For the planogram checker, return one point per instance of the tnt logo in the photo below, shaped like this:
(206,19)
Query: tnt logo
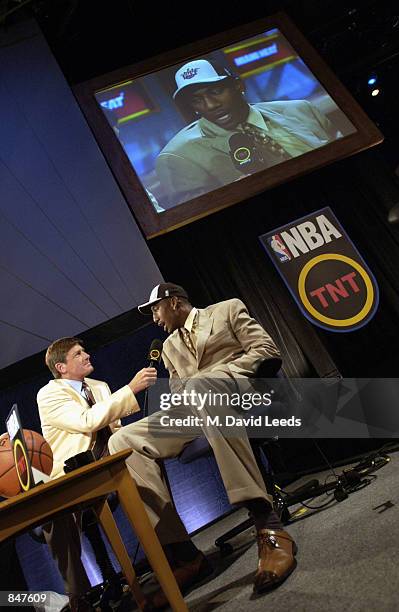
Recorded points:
(337,290)
(334,292)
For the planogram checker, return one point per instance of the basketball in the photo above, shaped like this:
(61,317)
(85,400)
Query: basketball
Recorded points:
(39,453)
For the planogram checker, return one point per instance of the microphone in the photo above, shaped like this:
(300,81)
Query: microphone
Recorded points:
(244,153)
(155,352)
(154,359)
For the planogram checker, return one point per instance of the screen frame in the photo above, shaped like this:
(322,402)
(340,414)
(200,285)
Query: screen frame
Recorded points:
(154,224)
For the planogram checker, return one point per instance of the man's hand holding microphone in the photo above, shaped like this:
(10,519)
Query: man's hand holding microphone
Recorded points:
(147,377)
(143,379)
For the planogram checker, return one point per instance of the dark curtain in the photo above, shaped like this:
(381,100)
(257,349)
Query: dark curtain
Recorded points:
(220,257)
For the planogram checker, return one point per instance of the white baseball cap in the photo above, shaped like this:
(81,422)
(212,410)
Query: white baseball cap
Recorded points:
(195,73)
(161,292)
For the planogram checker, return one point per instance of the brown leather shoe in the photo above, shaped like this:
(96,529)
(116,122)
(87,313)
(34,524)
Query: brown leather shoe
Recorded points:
(276,550)
(187,575)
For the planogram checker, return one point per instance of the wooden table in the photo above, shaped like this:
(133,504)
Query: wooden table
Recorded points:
(89,485)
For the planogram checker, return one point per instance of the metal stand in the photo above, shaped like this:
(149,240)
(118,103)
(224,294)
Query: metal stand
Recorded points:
(347,482)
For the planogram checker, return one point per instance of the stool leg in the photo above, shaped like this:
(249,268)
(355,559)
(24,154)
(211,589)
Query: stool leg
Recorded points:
(111,530)
(134,509)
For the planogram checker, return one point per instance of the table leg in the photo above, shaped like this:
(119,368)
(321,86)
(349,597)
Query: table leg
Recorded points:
(134,509)
(111,530)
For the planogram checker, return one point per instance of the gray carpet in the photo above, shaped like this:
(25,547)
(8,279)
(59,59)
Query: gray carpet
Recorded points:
(348,558)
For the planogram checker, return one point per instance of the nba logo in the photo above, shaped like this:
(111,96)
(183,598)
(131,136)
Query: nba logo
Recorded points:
(279,248)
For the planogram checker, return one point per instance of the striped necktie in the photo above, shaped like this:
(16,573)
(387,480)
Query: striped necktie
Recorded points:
(189,338)
(185,334)
(99,438)
(87,392)
(266,142)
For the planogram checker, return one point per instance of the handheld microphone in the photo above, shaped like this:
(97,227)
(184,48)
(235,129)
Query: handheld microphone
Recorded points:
(154,359)
(155,352)
(244,153)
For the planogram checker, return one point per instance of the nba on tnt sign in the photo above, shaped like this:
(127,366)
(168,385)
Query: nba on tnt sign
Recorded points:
(331,283)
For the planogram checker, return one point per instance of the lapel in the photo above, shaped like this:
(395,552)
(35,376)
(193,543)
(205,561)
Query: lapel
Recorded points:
(204,328)
(178,346)
(64,385)
(293,125)
(203,333)
(217,137)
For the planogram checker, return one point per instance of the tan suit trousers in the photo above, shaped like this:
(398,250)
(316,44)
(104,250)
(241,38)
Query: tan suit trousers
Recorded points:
(151,443)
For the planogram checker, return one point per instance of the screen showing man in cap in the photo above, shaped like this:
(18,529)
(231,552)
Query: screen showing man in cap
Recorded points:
(232,138)
(216,348)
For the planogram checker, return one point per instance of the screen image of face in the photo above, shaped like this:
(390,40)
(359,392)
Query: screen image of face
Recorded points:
(194,127)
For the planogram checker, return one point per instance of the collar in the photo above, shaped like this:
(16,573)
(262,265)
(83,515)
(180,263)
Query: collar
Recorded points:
(256,118)
(75,384)
(189,322)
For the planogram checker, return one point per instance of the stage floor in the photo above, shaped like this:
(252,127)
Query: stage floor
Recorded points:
(348,557)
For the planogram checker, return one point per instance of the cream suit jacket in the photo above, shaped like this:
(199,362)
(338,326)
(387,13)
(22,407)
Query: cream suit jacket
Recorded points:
(68,422)
(230,343)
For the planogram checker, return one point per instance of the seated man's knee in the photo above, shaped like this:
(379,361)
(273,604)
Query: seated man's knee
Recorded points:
(124,438)
(205,386)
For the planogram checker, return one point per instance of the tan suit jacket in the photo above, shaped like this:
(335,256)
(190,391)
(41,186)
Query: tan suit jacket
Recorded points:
(68,422)
(198,158)
(230,343)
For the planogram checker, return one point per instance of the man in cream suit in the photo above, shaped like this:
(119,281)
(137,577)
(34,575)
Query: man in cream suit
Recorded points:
(214,348)
(79,414)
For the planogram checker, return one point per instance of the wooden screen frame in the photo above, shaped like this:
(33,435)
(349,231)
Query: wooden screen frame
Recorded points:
(154,224)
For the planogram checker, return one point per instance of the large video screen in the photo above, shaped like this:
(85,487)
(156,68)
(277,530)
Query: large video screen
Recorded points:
(215,127)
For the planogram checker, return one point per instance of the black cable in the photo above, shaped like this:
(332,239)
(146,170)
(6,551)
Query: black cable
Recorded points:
(330,501)
(327,493)
(301,503)
(327,503)
(145,404)
(325,458)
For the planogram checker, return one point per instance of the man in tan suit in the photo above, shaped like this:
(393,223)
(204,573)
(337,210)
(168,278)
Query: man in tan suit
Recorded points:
(229,137)
(79,414)
(216,347)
